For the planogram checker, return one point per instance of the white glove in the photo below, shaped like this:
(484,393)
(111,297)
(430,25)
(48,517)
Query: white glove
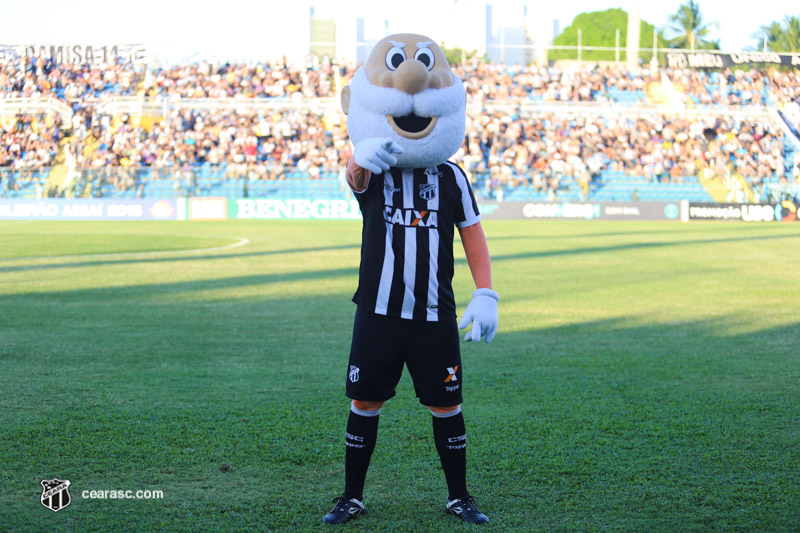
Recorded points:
(482,312)
(376,154)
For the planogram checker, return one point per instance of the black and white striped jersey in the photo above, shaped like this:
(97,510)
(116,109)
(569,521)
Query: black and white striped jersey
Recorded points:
(410,217)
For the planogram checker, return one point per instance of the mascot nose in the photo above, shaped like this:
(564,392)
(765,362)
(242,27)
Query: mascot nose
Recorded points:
(411,77)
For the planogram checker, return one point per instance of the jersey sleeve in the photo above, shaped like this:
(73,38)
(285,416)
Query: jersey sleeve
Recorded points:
(467,213)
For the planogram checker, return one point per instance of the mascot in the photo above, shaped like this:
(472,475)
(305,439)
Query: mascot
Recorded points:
(406,116)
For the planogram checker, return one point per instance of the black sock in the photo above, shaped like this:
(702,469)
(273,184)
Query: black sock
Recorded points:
(362,432)
(450,436)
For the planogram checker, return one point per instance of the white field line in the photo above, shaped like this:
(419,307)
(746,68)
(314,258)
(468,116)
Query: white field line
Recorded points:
(240,241)
(15,222)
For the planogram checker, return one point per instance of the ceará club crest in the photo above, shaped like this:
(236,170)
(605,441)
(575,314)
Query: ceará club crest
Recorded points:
(427,191)
(55,494)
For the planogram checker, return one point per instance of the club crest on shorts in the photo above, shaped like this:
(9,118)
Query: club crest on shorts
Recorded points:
(427,191)
(354,371)
(55,494)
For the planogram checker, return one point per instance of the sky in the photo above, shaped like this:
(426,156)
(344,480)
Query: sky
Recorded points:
(244,29)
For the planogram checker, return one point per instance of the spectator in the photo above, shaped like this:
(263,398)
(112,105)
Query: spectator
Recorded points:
(509,147)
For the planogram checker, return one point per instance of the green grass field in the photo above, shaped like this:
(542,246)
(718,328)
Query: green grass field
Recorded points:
(645,378)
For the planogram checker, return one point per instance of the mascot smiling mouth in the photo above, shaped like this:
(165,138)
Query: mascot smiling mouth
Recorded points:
(412,126)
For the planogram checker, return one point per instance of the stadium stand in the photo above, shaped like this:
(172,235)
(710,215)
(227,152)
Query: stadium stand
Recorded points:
(274,130)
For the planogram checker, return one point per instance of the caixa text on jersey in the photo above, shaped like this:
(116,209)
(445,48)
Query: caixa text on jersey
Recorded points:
(411,217)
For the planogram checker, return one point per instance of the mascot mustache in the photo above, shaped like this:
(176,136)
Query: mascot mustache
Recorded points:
(370,105)
(394,102)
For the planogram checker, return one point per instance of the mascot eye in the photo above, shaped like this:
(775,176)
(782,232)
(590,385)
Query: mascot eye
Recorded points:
(394,57)
(425,56)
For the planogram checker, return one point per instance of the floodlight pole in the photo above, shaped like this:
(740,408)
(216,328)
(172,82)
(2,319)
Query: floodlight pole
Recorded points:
(634,29)
(654,61)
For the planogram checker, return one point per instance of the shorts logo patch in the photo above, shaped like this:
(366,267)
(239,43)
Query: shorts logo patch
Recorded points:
(354,373)
(452,371)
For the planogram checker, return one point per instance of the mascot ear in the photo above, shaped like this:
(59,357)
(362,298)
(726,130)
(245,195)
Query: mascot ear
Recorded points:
(345,98)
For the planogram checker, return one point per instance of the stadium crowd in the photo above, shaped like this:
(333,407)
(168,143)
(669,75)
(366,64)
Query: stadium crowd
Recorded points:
(739,87)
(487,81)
(37,77)
(29,141)
(30,77)
(511,148)
(262,80)
(544,148)
(539,149)
(292,139)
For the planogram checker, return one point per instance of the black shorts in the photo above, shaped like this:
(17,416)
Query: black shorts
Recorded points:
(380,347)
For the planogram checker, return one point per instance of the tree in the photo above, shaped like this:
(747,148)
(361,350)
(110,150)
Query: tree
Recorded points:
(687,24)
(457,56)
(768,36)
(780,37)
(599,29)
(791,40)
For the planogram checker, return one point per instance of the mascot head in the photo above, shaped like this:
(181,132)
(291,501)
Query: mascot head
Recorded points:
(406,92)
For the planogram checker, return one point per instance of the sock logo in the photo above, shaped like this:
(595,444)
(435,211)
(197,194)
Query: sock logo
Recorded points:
(452,371)
(457,443)
(355,438)
(354,371)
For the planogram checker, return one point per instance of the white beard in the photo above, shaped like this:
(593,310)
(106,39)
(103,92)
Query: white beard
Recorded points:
(369,105)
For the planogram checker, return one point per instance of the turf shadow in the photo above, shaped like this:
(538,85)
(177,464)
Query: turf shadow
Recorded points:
(177,259)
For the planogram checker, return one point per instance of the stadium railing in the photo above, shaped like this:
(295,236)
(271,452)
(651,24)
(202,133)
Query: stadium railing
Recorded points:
(524,105)
(10,107)
(160,106)
(224,180)
(24,182)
